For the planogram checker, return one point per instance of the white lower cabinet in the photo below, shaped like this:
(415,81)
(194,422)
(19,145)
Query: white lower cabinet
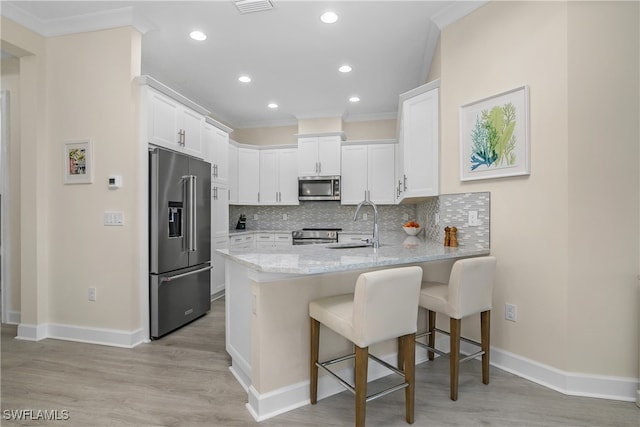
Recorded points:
(242,241)
(273,240)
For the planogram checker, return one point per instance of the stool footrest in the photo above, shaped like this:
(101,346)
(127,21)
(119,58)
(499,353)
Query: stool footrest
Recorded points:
(345,384)
(442,353)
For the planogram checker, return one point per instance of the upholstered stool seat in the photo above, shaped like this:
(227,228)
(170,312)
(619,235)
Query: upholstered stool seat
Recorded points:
(384,306)
(469,291)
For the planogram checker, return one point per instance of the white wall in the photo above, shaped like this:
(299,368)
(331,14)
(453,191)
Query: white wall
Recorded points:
(559,259)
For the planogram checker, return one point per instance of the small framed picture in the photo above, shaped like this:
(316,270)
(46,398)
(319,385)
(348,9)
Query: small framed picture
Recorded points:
(494,136)
(78,162)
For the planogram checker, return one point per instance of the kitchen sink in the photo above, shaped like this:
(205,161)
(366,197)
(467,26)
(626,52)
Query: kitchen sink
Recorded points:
(349,245)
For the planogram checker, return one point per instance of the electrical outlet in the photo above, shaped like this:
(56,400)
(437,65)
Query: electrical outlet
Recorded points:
(91,296)
(405,217)
(285,217)
(473,219)
(437,218)
(510,312)
(255,217)
(365,216)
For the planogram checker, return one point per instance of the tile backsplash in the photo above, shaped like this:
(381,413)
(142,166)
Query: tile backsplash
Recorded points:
(450,209)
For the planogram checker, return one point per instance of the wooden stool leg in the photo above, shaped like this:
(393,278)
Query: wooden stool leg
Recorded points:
(454,357)
(362,361)
(313,359)
(432,332)
(485,328)
(410,375)
(401,351)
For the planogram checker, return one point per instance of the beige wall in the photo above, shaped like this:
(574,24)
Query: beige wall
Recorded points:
(370,129)
(553,231)
(73,88)
(93,98)
(603,191)
(277,135)
(10,82)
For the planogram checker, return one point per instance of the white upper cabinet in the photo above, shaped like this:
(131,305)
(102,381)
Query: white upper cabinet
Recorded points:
(319,156)
(279,176)
(172,125)
(417,151)
(233,174)
(248,176)
(220,156)
(368,168)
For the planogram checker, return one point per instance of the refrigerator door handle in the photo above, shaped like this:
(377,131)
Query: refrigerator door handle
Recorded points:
(180,276)
(191,192)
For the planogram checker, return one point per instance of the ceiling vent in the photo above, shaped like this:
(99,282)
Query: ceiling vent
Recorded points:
(248,6)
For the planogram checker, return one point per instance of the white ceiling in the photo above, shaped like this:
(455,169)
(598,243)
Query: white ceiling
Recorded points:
(291,56)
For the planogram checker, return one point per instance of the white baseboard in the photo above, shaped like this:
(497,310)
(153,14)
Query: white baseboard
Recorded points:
(13,317)
(569,383)
(110,337)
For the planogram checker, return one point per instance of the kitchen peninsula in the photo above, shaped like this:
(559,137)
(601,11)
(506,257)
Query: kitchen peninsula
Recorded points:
(267,295)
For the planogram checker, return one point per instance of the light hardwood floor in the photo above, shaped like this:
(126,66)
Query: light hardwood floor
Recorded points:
(183,380)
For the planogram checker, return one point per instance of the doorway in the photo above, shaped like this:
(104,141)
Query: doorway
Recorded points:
(4,140)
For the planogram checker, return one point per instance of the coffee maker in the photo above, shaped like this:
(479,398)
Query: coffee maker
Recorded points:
(242,222)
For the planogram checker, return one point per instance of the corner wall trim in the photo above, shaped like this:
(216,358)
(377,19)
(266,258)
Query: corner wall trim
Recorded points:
(100,336)
(569,383)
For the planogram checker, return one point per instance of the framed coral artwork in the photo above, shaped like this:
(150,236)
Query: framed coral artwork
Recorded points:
(494,136)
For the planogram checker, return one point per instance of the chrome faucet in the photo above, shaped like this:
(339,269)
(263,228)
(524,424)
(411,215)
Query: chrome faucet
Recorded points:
(376,236)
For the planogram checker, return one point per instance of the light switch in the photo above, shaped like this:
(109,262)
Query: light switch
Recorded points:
(114,218)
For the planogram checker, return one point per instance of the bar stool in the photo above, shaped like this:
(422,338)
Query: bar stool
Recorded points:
(384,306)
(469,291)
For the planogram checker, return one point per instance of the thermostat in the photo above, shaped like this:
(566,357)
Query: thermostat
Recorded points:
(115,181)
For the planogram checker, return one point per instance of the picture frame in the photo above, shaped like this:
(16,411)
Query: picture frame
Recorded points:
(494,136)
(78,162)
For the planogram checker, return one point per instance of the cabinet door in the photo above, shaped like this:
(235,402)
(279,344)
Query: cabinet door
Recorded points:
(217,261)
(192,127)
(288,176)
(163,113)
(307,156)
(208,133)
(233,174)
(219,210)
(248,176)
(329,155)
(220,158)
(354,174)
(268,177)
(380,174)
(420,138)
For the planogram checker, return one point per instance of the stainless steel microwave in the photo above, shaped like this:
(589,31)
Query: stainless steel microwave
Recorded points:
(319,188)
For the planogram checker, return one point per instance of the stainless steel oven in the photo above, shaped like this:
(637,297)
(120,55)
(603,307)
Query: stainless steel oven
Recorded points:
(319,188)
(312,236)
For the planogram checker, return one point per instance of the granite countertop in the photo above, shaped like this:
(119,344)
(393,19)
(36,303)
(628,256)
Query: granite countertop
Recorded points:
(395,249)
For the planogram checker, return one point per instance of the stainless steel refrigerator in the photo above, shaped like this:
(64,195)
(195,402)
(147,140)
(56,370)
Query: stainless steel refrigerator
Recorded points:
(179,240)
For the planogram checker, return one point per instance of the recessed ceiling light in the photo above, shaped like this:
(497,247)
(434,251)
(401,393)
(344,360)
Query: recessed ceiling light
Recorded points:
(345,68)
(244,79)
(354,99)
(198,35)
(272,105)
(329,17)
